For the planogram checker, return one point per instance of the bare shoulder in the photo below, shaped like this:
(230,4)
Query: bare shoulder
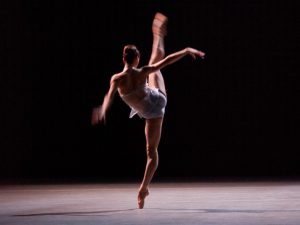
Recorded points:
(117,77)
(145,70)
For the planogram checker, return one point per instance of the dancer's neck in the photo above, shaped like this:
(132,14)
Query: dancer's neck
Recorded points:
(128,67)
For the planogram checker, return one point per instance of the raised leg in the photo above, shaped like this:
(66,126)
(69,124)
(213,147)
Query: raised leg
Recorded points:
(153,134)
(159,30)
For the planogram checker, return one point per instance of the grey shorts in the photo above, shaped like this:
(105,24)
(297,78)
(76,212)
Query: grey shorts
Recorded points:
(154,104)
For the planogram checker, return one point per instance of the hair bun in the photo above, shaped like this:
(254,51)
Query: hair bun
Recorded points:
(130,52)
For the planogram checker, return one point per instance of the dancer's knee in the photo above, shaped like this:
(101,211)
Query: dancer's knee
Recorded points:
(161,53)
(158,55)
(151,152)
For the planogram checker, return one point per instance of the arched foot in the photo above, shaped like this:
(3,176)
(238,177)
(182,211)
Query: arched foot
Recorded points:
(159,25)
(141,198)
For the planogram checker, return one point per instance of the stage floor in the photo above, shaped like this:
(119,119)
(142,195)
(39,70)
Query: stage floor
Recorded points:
(207,203)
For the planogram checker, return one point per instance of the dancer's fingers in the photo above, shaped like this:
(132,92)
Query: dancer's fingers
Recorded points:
(101,115)
(94,117)
(202,54)
(103,119)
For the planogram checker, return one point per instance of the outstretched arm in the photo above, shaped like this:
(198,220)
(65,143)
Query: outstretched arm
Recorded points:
(172,58)
(99,113)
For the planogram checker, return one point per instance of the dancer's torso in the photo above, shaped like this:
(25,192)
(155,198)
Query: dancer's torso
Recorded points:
(132,87)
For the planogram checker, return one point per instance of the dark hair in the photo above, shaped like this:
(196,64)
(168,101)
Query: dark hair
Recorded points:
(130,52)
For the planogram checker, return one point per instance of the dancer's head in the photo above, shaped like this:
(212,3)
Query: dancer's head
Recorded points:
(131,55)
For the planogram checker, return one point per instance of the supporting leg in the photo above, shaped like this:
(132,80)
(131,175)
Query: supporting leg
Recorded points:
(153,134)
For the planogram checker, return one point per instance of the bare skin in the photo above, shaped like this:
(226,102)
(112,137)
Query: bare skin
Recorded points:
(132,77)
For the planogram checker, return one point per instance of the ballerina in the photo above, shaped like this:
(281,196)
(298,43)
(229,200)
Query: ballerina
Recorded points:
(143,90)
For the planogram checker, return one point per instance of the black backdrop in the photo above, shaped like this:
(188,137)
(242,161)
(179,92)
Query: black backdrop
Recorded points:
(236,113)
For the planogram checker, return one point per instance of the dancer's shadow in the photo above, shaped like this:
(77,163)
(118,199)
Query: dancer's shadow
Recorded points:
(96,213)
(176,210)
(224,210)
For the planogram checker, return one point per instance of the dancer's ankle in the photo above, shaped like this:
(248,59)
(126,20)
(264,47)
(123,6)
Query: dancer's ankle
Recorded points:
(143,189)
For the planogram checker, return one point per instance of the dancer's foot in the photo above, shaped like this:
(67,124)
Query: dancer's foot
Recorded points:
(141,198)
(159,25)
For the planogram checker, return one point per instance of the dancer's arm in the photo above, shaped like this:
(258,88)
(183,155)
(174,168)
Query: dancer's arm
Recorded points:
(172,58)
(99,113)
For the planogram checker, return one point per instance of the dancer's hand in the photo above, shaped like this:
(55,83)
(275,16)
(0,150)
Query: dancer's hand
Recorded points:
(194,53)
(98,116)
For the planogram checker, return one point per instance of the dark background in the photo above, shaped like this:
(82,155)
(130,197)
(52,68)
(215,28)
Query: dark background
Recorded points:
(234,114)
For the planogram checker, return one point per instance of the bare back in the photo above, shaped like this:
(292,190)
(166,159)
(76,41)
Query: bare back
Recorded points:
(130,81)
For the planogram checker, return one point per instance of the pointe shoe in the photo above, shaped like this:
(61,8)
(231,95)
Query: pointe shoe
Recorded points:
(141,198)
(159,25)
